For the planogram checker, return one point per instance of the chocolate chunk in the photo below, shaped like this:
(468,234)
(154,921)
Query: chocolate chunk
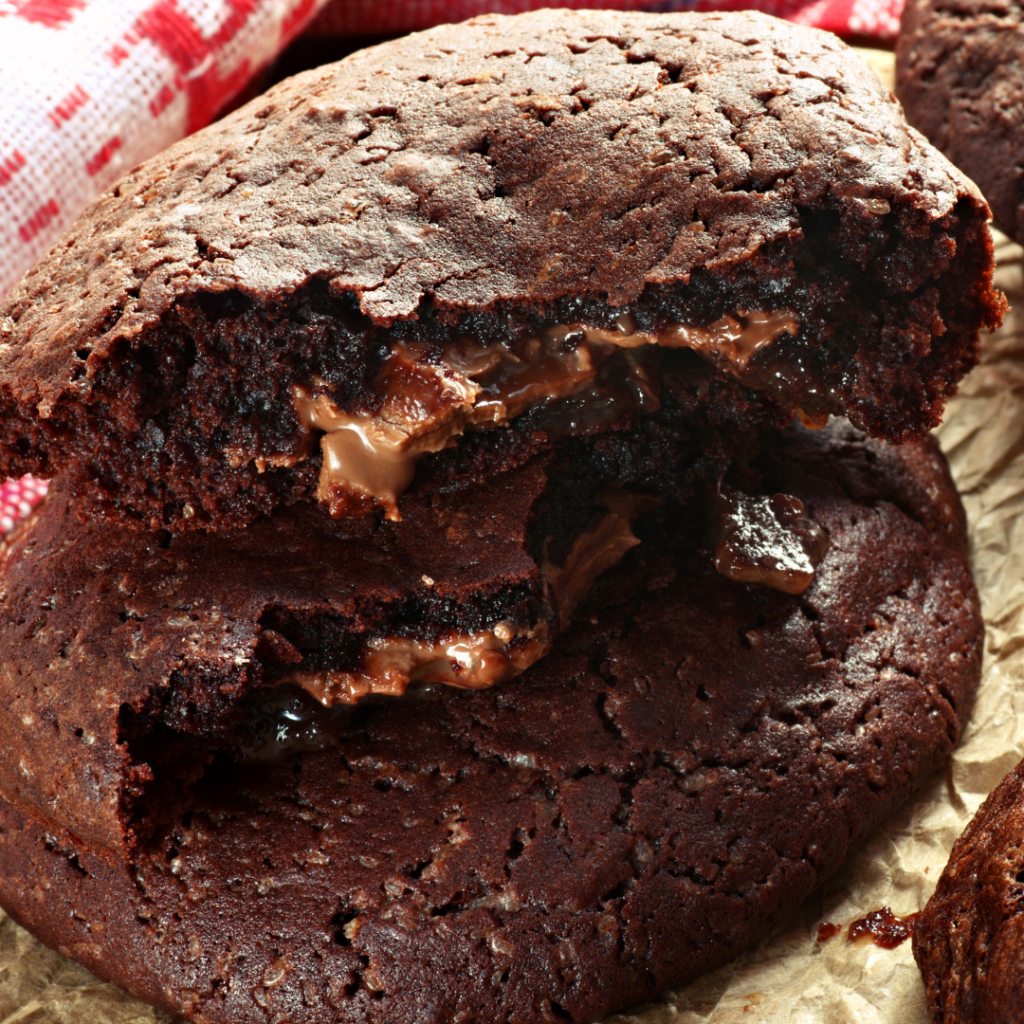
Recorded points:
(767,539)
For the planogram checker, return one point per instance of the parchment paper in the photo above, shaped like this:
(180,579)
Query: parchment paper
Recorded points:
(792,978)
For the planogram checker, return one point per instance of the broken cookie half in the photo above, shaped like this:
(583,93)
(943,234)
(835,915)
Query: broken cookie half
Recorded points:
(441,256)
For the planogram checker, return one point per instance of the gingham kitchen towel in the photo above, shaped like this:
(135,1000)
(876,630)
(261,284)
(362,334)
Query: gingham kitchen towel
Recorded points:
(89,88)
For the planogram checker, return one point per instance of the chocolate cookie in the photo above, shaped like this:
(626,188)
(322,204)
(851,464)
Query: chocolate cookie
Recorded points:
(957,75)
(969,939)
(693,758)
(509,218)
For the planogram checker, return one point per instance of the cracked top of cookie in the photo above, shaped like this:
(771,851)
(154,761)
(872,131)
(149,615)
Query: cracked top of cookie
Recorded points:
(725,183)
(508,158)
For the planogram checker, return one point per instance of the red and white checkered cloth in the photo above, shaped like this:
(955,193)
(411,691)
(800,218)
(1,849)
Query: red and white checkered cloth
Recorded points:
(18,498)
(90,88)
(876,19)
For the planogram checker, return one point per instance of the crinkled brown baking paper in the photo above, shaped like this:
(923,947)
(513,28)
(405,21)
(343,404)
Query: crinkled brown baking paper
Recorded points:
(792,977)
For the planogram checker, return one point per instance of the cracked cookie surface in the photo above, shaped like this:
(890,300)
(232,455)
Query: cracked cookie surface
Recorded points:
(694,757)
(492,180)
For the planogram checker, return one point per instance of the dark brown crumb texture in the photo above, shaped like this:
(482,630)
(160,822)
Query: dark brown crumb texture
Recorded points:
(969,940)
(957,75)
(122,632)
(490,180)
(693,759)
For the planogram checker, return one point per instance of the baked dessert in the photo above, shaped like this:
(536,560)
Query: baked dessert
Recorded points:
(429,257)
(956,75)
(968,940)
(694,756)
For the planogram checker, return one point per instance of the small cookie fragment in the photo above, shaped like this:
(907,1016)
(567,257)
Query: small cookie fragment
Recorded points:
(969,939)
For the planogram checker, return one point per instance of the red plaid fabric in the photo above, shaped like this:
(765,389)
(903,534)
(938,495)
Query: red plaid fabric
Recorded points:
(879,19)
(18,498)
(90,88)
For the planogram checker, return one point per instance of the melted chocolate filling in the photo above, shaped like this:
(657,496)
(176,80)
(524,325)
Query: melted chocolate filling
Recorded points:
(285,720)
(429,400)
(389,665)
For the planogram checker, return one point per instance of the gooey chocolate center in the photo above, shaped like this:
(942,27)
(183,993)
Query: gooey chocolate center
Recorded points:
(390,664)
(369,458)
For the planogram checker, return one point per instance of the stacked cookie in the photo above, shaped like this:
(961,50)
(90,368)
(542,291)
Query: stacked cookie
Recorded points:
(437,615)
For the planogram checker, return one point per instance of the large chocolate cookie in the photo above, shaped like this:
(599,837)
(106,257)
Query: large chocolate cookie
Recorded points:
(439,235)
(691,760)
(969,940)
(958,76)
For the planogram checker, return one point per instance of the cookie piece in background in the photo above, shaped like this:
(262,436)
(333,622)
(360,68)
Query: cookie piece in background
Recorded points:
(958,78)
(969,939)
(694,757)
(464,227)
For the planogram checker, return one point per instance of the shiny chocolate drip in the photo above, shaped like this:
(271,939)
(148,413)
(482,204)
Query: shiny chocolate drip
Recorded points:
(283,721)
(591,554)
(625,383)
(390,664)
(734,339)
(767,539)
(370,458)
